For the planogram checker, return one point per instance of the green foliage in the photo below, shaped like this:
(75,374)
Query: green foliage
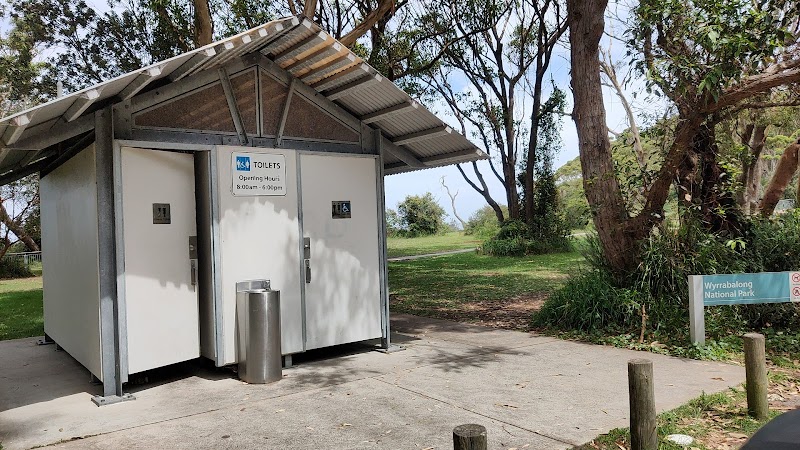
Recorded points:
(516,239)
(590,302)
(573,207)
(14,268)
(420,216)
(774,244)
(483,223)
(596,302)
(547,225)
(697,48)
(394,225)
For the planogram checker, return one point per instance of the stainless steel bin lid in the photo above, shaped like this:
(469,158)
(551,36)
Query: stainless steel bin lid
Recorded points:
(252,285)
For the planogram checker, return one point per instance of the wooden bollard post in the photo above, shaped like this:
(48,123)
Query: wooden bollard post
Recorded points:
(470,437)
(642,404)
(755,366)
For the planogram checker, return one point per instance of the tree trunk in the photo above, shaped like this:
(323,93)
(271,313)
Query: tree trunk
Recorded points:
(787,166)
(17,229)
(310,8)
(483,190)
(699,183)
(203,25)
(453,204)
(586,24)
(384,7)
(533,144)
(753,138)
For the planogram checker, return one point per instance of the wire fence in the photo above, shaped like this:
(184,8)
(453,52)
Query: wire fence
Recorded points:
(27,258)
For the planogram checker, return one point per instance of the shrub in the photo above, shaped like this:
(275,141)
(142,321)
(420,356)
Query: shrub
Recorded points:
(421,216)
(775,243)
(591,302)
(14,268)
(483,223)
(514,239)
(597,301)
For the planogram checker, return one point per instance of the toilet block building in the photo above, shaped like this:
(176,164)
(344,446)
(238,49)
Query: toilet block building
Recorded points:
(261,156)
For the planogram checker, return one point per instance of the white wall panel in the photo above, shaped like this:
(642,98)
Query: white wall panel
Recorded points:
(70,258)
(260,239)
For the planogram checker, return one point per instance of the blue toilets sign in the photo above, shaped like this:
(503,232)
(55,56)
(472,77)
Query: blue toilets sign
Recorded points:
(254,174)
(737,289)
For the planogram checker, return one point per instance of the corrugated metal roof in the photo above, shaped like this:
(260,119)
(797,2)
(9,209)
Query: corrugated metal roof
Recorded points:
(298,46)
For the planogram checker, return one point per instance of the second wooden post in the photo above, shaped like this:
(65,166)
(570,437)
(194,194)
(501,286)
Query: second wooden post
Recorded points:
(755,366)
(642,404)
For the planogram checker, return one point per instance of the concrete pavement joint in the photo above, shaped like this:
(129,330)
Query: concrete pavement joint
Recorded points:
(539,433)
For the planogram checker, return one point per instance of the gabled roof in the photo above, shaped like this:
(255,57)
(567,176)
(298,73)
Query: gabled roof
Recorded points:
(419,138)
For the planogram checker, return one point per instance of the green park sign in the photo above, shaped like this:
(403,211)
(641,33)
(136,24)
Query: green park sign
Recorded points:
(737,289)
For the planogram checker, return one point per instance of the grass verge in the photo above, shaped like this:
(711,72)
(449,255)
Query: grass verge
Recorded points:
(21,313)
(716,421)
(399,246)
(469,286)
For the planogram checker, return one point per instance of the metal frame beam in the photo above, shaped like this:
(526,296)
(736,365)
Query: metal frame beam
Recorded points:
(333,80)
(422,135)
(109,306)
(233,105)
(390,111)
(285,112)
(81,104)
(140,82)
(386,341)
(309,93)
(56,131)
(458,156)
(16,128)
(403,154)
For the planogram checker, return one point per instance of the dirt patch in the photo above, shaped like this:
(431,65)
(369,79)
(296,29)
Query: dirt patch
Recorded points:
(511,314)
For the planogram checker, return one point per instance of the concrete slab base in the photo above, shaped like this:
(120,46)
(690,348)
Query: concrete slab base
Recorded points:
(529,391)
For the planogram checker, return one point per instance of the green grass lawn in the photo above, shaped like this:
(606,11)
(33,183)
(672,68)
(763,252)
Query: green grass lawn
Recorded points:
(21,308)
(429,286)
(455,240)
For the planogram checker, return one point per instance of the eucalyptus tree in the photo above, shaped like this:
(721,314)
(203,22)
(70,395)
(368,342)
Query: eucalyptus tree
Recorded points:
(503,49)
(706,57)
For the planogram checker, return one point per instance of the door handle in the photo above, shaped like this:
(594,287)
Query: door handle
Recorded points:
(193,261)
(308,270)
(193,264)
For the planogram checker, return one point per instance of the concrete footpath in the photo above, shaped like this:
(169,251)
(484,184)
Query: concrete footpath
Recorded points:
(529,391)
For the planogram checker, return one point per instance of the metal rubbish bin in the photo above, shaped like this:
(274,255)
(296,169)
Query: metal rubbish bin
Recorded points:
(258,311)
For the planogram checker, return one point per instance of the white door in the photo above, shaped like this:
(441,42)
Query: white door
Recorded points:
(340,221)
(158,204)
